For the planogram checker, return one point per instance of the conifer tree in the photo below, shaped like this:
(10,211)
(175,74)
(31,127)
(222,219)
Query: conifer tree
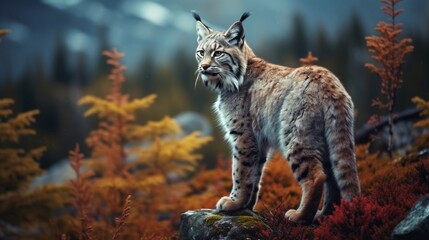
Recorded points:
(82,194)
(423,138)
(308,60)
(20,207)
(389,51)
(167,152)
(154,150)
(19,166)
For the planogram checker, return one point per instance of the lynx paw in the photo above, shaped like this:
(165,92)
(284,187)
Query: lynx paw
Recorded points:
(293,215)
(227,204)
(297,216)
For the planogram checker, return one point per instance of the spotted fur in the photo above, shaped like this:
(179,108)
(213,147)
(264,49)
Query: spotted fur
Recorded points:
(303,112)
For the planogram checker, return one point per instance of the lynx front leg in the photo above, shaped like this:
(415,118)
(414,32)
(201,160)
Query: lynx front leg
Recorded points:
(247,166)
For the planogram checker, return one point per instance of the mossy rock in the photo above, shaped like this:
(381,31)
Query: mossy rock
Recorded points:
(208,224)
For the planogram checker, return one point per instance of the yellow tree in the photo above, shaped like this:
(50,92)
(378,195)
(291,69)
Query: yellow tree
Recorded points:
(18,166)
(423,138)
(131,157)
(19,206)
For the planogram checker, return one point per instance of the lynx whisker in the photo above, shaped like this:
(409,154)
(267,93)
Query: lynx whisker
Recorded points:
(196,79)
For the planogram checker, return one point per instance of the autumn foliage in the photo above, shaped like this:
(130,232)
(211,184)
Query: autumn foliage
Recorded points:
(358,219)
(20,207)
(279,187)
(388,51)
(82,195)
(422,141)
(21,164)
(127,159)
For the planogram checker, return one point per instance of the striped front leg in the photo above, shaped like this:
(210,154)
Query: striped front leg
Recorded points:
(246,174)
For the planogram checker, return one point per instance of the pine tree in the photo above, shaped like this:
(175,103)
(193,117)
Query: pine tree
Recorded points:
(389,51)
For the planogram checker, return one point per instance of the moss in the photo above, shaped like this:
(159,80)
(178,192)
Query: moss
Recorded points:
(233,225)
(245,212)
(252,225)
(212,219)
(248,221)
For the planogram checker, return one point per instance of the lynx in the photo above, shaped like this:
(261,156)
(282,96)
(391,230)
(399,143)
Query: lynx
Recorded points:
(304,112)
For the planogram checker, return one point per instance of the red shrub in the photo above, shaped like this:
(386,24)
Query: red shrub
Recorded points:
(389,191)
(374,216)
(359,219)
(282,228)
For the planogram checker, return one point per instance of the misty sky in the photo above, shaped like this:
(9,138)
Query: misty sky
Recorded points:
(159,28)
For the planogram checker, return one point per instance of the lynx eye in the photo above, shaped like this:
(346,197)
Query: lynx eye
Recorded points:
(218,54)
(200,53)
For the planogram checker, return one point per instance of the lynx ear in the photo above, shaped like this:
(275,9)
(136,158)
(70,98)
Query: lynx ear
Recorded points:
(202,29)
(235,33)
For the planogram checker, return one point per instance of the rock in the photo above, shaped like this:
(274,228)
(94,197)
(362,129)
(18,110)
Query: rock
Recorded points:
(208,224)
(416,224)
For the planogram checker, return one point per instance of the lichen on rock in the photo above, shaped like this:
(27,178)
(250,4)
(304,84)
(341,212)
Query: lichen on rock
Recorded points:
(415,226)
(209,224)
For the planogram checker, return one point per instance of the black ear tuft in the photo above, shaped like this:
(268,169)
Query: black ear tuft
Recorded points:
(244,16)
(196,15)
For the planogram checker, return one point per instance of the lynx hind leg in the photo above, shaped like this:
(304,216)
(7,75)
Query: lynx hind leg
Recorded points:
(331,196)
(308,171)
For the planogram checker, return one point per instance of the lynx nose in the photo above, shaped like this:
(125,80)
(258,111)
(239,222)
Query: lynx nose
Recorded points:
(204,66)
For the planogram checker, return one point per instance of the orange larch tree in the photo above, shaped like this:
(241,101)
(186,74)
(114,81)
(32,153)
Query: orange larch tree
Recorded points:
(82,194)
(389,51)
(308,60)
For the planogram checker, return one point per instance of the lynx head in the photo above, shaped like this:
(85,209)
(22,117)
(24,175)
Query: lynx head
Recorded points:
(221,55)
